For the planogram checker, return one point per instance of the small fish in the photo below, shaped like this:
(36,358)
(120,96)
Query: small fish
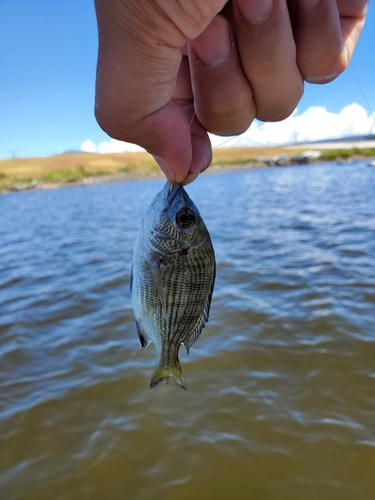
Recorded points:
(172,279)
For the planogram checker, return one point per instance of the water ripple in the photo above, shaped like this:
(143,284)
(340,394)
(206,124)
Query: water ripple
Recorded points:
(281,385)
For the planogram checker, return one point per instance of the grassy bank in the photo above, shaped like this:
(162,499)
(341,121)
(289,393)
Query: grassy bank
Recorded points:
(37,167)
(63,169)
(69,168)
(19,174)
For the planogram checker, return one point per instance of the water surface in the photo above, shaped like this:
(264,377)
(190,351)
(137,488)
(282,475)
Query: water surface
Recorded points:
(281,384)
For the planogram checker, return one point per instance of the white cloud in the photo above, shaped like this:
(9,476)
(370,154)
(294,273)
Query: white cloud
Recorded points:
(88,147)
(114,146)
(315,124)
(110,146)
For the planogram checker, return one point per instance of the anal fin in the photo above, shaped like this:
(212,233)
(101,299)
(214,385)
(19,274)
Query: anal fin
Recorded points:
(144,340)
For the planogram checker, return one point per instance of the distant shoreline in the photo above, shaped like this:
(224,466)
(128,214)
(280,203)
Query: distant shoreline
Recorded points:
(89,169)
(123,177)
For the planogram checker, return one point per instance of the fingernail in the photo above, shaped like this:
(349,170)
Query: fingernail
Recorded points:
(321,79)
(213,46)
(255,11)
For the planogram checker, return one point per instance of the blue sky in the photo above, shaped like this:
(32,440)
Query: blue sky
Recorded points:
(47,77)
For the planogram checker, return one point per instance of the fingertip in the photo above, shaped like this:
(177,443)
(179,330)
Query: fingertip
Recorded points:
(201,158)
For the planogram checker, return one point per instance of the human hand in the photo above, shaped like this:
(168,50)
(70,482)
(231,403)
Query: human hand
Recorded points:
(170,71)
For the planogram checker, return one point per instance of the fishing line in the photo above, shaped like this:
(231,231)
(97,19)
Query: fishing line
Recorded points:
(231,138)
(192,118)
(361,89)
(293,107)
(258,125)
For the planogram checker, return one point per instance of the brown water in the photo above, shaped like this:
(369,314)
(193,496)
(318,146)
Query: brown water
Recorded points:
(281,384)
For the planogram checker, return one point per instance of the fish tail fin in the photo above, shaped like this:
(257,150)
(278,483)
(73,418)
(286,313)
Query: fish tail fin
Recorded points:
(162,373)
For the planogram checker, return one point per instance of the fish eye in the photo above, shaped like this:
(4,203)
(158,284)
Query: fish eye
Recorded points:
(185,218)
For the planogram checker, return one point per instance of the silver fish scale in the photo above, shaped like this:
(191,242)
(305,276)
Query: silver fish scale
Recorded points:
(186,284)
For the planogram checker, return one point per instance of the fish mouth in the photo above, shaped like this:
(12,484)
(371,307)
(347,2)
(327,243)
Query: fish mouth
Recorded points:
(171,193)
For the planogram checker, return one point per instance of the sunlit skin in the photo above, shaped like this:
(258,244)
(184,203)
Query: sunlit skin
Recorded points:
(169,71)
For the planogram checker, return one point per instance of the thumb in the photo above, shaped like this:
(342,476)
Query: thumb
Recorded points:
(139,60)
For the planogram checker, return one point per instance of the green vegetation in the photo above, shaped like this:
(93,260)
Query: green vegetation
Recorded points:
(148,165)
(16,184)
(344,154)
(71,175)
(143,167)
(364,151)
(99,172)
(63,176)
(336,154)
(5,184)
(234,161)
(128,168)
